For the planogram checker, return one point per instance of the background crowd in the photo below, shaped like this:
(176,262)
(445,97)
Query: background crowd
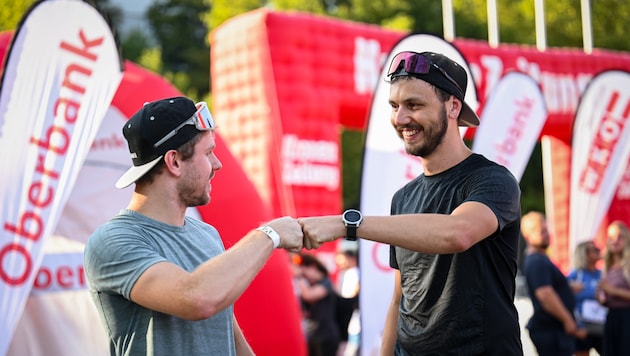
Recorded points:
(589,309)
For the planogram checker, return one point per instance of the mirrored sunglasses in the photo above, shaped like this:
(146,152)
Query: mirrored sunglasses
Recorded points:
(202,119)
(416,63)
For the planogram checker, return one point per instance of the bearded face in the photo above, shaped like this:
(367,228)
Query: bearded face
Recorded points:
(433,135)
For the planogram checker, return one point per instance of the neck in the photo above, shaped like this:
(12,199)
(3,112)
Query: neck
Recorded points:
(158,205)
(536,249)
(451,152)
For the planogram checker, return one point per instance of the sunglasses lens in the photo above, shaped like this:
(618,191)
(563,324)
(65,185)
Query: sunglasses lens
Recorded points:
(202,118)
(414,63)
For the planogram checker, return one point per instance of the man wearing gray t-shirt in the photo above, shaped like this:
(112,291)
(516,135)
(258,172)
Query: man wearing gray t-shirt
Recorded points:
(162,281)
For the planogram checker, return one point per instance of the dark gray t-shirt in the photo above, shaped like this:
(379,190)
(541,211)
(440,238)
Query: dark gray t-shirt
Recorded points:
(118,252)
(462,303)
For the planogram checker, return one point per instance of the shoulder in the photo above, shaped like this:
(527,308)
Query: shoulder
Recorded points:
(489,169)
(194,223)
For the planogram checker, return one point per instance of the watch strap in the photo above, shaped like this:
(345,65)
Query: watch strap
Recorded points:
(351,233)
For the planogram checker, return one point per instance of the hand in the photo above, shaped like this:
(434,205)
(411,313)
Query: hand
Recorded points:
(570,327)
(576,286)
(604,286)
(321,229)
(581,333)
(291,236)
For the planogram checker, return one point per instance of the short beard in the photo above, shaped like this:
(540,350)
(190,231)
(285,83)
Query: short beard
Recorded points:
(433,136)
(191,195)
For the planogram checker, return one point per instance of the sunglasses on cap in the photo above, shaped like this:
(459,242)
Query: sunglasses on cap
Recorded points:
(202,119)
(416,63)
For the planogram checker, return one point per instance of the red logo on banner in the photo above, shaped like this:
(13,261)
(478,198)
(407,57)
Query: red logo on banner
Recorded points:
(41,193)
(603,145)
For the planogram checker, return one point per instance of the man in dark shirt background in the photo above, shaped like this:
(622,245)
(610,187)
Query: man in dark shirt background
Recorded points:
(552,327)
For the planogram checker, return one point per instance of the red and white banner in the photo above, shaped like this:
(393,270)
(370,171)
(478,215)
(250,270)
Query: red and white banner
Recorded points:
(60,76)
(384,152)
(600,152)
(512,120)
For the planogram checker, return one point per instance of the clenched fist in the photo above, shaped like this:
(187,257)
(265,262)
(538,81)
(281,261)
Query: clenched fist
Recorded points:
(320,229)
(291,236)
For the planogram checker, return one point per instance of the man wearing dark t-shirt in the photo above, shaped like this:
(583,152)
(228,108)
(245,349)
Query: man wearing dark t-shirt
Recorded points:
(552,327)
(453,230)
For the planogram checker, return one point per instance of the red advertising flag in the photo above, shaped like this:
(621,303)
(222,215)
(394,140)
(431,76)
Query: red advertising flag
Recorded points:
(61,73)
(600,152)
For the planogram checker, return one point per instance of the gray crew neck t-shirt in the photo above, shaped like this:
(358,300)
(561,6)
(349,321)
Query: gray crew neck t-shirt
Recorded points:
(118,252)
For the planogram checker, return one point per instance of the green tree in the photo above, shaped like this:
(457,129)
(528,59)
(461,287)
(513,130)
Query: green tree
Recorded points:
(134,44)
(11,13)
(181,35)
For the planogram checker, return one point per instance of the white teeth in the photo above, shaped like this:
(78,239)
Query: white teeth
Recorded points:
(409,133)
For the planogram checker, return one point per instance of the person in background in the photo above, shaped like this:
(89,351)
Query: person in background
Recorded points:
(319,304)
(617,235)
(453,230)
(590,314)
(161,280)
(347,288)
(552,327)
(295,262)
(614,292)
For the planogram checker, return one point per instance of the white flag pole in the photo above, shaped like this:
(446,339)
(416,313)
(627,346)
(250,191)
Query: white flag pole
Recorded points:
(447,20)
(587,32)
(541,35)
(493,24)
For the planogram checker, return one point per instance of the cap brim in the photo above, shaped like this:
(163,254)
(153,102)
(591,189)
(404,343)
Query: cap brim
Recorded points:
(468,117)
(134,173)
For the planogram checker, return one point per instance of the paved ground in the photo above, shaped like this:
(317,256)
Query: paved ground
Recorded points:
(524,307)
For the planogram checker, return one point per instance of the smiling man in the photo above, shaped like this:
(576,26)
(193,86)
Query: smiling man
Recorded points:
(453,230)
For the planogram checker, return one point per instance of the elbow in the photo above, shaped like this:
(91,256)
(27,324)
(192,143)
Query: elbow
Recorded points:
(204,307)
(459,245)
(463,239)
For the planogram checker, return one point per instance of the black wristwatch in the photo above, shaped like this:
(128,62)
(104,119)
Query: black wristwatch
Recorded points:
(351,219)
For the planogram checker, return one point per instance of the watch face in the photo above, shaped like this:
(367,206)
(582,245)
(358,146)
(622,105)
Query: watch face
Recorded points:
(352,216)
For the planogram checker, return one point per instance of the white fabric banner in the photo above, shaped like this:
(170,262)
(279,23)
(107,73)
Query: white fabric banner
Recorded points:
(60,272)
(59,317)
(60,76)
(511,122)
(386,168)
(600,152)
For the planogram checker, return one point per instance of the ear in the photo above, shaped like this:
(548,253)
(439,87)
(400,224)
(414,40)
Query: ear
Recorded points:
(454,108)
(172,162)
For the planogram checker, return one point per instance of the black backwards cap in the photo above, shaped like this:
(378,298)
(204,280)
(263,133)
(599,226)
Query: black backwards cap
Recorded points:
(149,125)
(452,69)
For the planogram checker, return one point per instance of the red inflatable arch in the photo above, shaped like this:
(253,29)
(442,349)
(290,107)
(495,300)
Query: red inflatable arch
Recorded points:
(285,84)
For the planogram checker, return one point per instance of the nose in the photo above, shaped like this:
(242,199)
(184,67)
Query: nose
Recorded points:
(400,117)
(216,163)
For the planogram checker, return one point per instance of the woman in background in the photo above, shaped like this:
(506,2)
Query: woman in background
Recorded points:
(589,313)
(615,292)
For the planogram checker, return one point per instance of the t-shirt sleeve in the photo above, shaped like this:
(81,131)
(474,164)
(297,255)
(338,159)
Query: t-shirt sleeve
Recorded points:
(537,274)
(116,258)
(499,191)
